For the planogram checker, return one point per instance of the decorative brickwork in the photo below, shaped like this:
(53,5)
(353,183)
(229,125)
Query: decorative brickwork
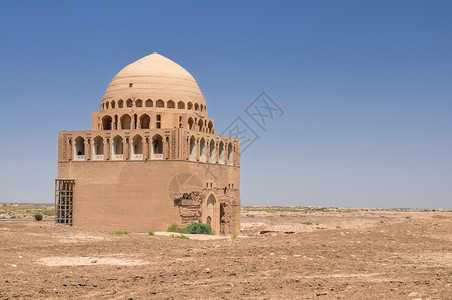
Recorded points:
(142,166)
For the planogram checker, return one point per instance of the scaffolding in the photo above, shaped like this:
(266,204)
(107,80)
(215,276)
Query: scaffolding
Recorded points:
(64,200)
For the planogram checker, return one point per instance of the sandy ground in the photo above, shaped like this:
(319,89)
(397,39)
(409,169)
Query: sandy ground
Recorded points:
(358,254)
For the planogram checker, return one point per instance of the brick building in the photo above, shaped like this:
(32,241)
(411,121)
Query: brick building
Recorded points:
(151,158)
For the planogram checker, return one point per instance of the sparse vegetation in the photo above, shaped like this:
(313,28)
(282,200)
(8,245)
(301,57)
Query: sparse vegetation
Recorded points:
(120,232)
(176,228)
(26,210)
(151,233)
(38,216)
(180,236)
(193,228)
(198,228)
(307,223)
(234,235)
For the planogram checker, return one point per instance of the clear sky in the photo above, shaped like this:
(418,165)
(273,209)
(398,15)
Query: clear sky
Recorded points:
(365,87)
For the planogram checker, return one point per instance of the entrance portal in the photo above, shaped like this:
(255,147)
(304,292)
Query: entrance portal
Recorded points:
(210,213)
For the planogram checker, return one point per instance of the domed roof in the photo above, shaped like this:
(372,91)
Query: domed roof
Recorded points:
(154,77)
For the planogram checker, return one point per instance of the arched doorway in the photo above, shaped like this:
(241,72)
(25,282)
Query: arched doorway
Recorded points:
(210,214)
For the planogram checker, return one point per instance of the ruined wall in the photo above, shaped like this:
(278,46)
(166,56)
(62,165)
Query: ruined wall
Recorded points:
(142,195)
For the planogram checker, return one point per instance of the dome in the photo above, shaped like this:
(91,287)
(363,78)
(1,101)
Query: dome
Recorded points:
(154,77)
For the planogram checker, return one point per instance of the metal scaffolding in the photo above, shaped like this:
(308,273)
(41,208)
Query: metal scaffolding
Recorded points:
(64,199)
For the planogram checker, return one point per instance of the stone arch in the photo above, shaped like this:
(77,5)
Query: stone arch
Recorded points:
(196,106)
(202,150)
(138,103)
(230,154)
(106,122)
(192,148)
(180,105)
(149,103)
(189,106)
(98,146)
(157,147)
(210,212)
(113,104)
(79,146)
(212,151)
(120,103)
(221,153)
(171,104)
(210,127)
(200,125)
(107,104)
(129,103)
(202,107)
(126,121)
(117,146)
(145,121)
(137,147)
(160,103)
(190,123)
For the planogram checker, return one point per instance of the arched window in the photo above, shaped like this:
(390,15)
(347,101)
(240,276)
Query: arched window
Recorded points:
(98,148)
(159,103)
(149,103)
(192,148)
(106,122)
(113,104)
(180,105)
(135,121)
(171,104)
(145,120)
(209,214)
(196,106)
(137,147)
(210,127)
(117,147)
(202,106)
(189,106)
(212,152)
(190,123)
(158,123)
(157,147)
(126,120)
(116,122)
(120,103)
(129,103)
(138,103)
(230,154)
(79,148)
(221,153)
(200,125)
(202,150)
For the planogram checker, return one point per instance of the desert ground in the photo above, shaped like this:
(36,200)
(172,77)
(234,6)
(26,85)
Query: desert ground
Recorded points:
(281,253)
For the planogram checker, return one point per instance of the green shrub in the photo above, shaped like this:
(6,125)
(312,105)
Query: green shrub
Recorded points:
(38,216)
(234,235)
(176,228)
(307,223)
(181,236)
(120,232)
(199,228)
(151,233)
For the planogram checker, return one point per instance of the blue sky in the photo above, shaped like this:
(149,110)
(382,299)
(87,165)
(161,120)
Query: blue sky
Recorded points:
(366,89)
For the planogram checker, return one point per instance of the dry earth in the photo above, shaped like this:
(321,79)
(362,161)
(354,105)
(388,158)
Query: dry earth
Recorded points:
(282,254)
